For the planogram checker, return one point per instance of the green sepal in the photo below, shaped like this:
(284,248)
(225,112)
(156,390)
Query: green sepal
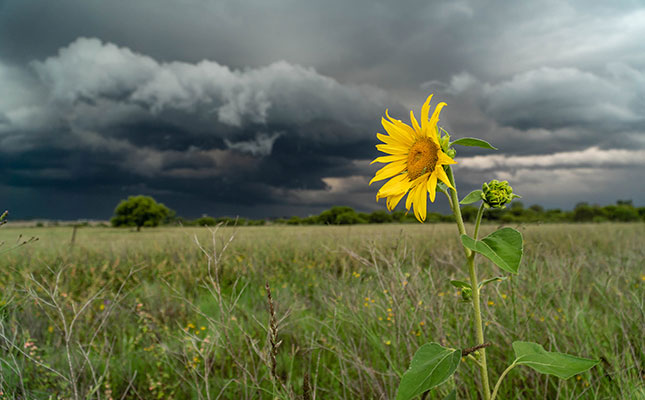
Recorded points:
(502,247)
(461,284)
(491,280)
(563,366)
(431,365)
(473,142)
(442,187)
(473,197)
(466,290)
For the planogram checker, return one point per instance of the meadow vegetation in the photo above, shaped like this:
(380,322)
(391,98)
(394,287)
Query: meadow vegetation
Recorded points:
(184,312)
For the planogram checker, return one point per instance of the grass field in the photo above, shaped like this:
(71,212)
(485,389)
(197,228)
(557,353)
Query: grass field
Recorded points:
(151,315)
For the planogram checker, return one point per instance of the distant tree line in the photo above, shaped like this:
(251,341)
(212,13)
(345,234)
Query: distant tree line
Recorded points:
(622,211)
(142,211)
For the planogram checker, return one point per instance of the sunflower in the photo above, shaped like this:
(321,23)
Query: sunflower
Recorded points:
(414,163)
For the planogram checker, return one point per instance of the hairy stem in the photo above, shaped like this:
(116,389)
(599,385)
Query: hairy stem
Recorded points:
(501,377)
(480,213)
(470,257)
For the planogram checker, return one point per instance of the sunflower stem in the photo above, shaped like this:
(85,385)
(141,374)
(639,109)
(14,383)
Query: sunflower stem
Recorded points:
(470,258)
(478,221)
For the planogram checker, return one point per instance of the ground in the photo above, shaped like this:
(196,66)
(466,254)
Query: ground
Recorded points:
(159,314)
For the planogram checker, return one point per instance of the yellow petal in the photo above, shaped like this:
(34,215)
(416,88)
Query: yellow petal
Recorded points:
(432,186)
(407,129)
(432,134)
(444,158)
(399,130)
(435,114)
(392,201)
(414,186)
(441,174)
(392,149)
(388,171)
(394,186)
(415,124)
(421,203)
(425,113)
(389,139)
(388,159)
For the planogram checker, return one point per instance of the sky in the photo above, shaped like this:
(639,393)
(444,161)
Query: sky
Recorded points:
(270,108)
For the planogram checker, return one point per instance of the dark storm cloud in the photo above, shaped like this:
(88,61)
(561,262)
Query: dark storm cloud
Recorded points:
(109,117)
(276,103)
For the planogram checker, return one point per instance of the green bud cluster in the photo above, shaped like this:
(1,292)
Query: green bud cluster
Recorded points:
(466,295)
(497,194)
(444,142)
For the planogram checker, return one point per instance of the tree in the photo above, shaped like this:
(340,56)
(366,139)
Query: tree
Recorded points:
(379,217)
(140,211)
(330,216)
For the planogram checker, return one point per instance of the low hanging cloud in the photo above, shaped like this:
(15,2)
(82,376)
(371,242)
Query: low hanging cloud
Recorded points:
(591,157)
(89,70)
(558,98)
(131,121)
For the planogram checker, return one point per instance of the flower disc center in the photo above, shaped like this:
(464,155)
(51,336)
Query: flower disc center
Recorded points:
(422,158)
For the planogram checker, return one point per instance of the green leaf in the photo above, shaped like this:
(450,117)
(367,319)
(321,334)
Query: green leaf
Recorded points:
(442,187)
(472,197)
(503,247)
(451,396)
(491,280)
(473,142)
(460,284)
(563,366)
(431,365)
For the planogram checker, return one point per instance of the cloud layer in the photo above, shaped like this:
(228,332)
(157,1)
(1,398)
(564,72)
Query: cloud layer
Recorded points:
(105,113)
(255,108)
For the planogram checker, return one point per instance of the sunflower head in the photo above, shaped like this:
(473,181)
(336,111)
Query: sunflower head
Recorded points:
(414,162)
(497,194)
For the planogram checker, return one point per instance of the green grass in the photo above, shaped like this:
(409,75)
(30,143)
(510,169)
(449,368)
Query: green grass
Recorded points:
(164,319)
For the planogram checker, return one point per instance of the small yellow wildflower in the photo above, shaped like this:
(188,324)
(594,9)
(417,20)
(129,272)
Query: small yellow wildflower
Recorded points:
(102,307)
(491,303)
(387,342)
(203,328)
(190,325)
(422,323)
(504,296)
(50,329)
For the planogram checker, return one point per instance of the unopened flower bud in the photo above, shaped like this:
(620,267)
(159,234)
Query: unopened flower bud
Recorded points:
(497,194)
(466,294)
(452,153)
